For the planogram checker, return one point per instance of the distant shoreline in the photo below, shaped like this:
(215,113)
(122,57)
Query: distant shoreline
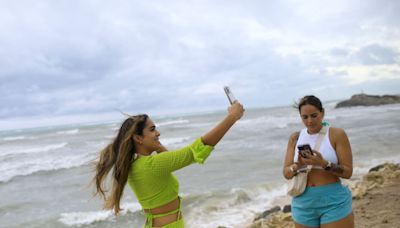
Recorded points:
(363,99)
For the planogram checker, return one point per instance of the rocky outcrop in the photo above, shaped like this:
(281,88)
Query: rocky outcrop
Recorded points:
(276,220)
(369,100)
(378,176)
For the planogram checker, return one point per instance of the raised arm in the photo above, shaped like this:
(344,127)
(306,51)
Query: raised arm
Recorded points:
(235,112)
(198,151)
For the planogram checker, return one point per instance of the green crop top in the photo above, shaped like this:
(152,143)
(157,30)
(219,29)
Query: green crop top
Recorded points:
(151,178)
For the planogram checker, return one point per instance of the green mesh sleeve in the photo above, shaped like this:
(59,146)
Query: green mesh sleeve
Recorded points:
(169,161)
(200,151)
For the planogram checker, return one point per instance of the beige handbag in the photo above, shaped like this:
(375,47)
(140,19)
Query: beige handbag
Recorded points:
(298,183)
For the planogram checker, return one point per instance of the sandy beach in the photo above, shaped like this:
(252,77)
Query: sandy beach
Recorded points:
(380,205)
(376,201)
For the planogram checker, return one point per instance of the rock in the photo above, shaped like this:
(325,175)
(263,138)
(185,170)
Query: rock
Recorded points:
(287,208)
(279,220)
(380,176)
(268,212)
(369,100)
(376,168)
(257,224)
(374,177)
(359,191)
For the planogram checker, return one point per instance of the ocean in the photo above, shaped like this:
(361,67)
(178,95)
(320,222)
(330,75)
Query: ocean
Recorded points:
(45,172)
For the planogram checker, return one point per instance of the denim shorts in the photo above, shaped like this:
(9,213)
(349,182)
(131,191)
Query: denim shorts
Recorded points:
(322,204)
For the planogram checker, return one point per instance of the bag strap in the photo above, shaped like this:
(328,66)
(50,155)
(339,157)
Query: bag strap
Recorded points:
(321,136)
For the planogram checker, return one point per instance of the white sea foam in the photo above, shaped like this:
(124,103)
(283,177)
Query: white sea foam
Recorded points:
(31,164)
(69,132)
(26,150)
(271,121)
(171,141)
(14,138)
(84,218)
(236,209)
(172,122)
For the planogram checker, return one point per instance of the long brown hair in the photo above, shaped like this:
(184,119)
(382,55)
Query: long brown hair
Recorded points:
(118,155)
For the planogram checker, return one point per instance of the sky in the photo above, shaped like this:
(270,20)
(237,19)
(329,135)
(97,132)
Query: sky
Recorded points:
(78,58)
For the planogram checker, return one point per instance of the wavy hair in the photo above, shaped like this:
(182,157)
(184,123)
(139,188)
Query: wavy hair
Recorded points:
(118,156)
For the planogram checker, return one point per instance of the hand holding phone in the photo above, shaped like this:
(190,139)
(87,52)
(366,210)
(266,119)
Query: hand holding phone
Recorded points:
(304,150)
(229,94)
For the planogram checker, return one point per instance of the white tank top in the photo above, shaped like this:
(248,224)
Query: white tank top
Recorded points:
(326,149)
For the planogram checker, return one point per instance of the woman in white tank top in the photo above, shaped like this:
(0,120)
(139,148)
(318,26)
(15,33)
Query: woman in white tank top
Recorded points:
(325,202)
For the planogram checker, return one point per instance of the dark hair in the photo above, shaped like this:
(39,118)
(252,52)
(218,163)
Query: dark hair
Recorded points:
(118,155)
(310,100)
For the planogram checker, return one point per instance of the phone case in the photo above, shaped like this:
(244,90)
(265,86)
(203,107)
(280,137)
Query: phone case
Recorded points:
(229,94)
(304,149)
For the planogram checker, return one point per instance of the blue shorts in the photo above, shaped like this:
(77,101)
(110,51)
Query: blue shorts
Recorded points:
(322,204)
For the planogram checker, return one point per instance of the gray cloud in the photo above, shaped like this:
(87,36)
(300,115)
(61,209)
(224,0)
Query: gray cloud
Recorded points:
(375,54)
(71,57)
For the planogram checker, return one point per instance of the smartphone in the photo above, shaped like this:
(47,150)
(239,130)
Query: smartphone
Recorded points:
(305,149)
(229,94)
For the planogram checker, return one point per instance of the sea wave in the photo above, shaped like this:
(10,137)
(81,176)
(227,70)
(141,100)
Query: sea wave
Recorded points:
(69,132)
(88,217)
(14,138)
(171,141)
(272,121)
(171,122)
(233,209)
(36,149)
(33,164)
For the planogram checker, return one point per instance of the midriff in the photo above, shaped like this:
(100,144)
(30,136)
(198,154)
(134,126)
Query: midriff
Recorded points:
(167,219)
(318,177)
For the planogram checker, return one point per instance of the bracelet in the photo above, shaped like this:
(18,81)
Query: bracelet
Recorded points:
(328,166)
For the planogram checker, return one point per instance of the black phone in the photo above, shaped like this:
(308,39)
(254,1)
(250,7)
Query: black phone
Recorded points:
(305,149)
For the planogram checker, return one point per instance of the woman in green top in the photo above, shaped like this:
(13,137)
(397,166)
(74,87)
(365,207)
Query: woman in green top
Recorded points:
(150,176)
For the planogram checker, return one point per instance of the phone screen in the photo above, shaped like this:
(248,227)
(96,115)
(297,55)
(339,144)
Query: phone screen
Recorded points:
(229,94)
(304,149)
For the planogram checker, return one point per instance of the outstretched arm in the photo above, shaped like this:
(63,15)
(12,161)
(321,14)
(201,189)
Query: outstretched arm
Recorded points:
(235,112)
(164,163)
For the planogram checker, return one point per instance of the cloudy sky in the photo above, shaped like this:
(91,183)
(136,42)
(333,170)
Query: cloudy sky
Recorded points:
(70,57)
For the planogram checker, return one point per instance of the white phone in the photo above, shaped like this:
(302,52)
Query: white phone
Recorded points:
(229,94)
